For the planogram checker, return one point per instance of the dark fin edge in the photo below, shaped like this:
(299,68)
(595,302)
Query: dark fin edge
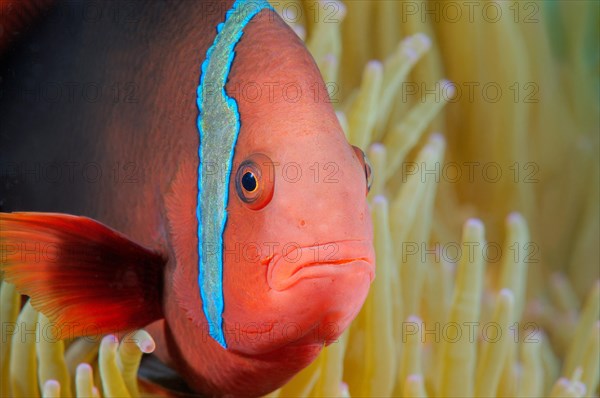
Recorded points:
(17,16)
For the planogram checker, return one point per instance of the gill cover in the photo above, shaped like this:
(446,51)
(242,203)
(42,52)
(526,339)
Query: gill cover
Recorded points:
(218,127)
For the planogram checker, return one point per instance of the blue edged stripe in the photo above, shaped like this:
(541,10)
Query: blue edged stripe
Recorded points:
(218,128)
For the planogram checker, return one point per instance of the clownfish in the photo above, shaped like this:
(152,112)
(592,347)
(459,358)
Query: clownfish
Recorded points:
(242,238)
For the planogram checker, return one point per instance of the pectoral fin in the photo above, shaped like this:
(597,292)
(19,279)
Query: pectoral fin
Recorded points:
(86,277)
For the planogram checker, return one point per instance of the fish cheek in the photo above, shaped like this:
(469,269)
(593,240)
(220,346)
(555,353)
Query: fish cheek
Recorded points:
(244,278)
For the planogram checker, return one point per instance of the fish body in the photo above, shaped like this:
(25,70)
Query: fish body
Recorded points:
(244,236)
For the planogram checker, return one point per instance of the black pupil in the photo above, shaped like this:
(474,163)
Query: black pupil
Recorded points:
(249,181)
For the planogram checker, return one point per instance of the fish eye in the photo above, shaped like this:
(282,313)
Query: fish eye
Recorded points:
(249,182)
(364,161)
(254,181)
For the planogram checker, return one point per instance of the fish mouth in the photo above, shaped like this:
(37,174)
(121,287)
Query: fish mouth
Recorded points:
(319,261)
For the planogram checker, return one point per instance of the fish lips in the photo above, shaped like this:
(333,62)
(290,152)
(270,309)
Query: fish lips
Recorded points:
(319,261)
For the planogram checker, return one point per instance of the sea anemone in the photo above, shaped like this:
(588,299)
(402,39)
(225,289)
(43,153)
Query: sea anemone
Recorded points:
(480,120)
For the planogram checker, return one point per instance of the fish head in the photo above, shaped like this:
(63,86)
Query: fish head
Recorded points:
(298,253)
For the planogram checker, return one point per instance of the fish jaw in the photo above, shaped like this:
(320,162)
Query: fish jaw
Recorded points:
(320,261)
(311,295)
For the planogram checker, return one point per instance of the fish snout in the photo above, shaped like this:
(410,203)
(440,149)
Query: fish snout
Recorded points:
(296,262)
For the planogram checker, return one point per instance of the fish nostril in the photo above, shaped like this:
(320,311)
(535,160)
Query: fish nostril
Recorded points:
(302,223)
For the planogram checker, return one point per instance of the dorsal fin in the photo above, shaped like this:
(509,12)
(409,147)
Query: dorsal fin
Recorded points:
(86,277)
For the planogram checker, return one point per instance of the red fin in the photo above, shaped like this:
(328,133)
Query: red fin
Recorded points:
(88,278)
